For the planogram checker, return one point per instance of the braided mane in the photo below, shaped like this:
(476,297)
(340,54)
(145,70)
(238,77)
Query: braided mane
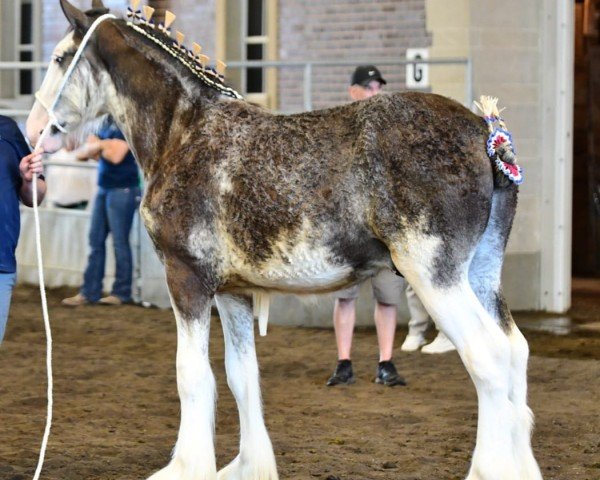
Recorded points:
(160,37)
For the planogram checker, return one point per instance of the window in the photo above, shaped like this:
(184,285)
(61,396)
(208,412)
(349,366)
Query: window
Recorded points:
(20,40)
(250,34)
(25,47)
(255,40)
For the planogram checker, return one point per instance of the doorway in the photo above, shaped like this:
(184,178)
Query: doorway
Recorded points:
(586,141)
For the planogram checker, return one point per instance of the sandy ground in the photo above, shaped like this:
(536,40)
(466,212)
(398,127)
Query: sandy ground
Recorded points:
(117,413)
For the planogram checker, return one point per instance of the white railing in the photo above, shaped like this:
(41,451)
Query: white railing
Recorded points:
(307,66)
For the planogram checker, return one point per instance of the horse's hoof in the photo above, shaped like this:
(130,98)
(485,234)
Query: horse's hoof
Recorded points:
(236,470)
(175,471)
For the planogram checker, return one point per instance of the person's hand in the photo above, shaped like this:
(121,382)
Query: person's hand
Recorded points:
(94,147)
(91,149)
(31,164)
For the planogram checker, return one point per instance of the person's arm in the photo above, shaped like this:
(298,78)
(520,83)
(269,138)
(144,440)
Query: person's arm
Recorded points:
(29,165)
(92,148)
(114,150)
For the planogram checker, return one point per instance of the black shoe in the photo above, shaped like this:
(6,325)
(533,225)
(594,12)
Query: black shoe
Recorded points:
(342,374)
(387,374)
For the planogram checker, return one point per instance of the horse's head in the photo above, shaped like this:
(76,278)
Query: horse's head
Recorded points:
(82,102)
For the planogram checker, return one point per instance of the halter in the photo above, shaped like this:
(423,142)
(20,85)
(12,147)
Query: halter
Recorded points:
(52,118)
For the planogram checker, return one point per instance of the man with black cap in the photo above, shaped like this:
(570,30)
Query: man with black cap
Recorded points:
(366,81)
(387,287)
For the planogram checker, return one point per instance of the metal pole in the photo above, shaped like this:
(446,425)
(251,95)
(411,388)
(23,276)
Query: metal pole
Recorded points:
(469,82)
(308,87)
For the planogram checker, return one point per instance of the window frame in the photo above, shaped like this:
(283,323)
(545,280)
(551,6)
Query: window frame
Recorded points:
(12,49)
(269,41)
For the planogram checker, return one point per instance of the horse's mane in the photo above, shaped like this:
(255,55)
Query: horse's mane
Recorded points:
(160,37)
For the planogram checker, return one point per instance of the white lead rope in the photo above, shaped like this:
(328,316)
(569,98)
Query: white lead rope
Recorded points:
(52,121)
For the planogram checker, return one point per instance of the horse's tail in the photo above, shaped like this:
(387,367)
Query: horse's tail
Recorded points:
(485,269)
(499,145)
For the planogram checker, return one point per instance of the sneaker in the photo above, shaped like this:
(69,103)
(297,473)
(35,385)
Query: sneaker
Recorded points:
(413,342)
(441,344)
(342,374)
(75,301)
(110,300)
(387,374)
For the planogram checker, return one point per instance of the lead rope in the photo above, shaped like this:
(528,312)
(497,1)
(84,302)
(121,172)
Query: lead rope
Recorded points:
(52,121)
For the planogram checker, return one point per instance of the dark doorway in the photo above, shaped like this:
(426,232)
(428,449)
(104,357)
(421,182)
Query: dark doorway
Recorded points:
(586,144)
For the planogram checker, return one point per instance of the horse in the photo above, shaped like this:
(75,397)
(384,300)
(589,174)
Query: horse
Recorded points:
(239,200)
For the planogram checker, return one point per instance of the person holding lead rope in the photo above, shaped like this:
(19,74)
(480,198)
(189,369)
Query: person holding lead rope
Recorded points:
(17,168)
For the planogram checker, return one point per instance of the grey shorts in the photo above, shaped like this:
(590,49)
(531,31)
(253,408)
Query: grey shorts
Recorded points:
(387,288)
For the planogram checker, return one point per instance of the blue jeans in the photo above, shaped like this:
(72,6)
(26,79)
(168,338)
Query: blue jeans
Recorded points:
(7,282)
(112,212)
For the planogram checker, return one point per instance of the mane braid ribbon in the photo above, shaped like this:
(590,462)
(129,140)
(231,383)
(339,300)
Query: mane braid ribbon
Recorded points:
(499,145)
(201,73)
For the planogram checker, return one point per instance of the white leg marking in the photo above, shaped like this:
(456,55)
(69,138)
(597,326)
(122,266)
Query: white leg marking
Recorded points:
(194,454)
(528,467)
(256,460)
(485,352)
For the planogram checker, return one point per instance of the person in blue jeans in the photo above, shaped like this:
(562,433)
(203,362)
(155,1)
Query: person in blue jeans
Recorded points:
(17,166)
(116,201)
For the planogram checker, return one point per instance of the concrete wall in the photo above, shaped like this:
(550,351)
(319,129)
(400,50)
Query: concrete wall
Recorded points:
(505,48)
(449,40)
(504,42)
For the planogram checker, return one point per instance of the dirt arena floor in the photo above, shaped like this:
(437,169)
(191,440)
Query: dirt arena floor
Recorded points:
(116,406)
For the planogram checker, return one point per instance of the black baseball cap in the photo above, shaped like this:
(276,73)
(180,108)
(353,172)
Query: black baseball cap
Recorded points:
(364,74)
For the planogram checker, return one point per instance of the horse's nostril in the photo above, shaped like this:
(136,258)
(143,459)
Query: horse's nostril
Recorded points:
(41,131)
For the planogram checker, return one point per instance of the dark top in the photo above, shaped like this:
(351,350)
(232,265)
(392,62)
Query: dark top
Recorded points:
(122,175)
(12,149)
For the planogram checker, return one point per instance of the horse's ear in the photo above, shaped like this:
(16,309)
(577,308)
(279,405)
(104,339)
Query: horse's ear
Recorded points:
(77,19)
(98,4)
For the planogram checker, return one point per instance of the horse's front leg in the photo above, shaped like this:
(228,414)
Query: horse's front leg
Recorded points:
(256,460)
(194,455)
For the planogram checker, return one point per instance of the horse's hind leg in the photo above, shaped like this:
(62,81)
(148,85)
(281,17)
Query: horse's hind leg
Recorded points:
(519,354)
(484,349)
(528,467)
(256,460)
(484,276)
(193,455)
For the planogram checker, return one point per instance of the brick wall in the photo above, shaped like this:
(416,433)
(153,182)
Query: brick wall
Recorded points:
(345,30)
(196,19)
(309,29)
(55,24)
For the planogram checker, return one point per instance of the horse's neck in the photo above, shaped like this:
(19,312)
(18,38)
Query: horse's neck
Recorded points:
(154,107)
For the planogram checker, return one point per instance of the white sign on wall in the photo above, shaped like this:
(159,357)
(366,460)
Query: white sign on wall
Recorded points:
(417,74)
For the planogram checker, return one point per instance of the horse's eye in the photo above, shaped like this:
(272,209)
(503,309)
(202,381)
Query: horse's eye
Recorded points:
(58,59)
